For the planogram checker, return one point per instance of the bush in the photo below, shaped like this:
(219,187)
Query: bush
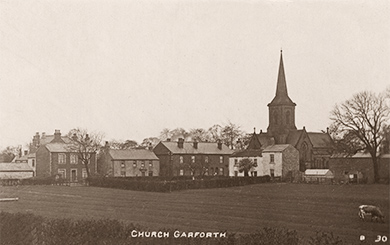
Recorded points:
(159,184)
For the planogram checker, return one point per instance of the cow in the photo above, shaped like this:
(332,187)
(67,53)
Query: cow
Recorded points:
(375,212)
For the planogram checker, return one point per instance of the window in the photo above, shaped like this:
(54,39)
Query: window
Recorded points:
(255,162)
(206,159)
(272,172)
(181,159)
(221,159)
(134,164)
(73,159)
(193,159)
(181,173)
(84,173)
(150,173)
(221,171)
(235,161)
(235,173)
(61,158)
(150,164)
(62,173)
(33,163)
(272,156)
(211,171)
(123,169)
(206,171)
(254,173)
(276,118)
(73,175)
(143,164)
(288,117)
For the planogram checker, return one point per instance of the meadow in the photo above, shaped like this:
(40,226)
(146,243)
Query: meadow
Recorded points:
(306,208)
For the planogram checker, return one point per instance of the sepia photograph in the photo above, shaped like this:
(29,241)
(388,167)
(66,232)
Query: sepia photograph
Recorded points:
(194,122)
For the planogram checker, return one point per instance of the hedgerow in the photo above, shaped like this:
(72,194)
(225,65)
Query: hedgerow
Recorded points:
(173,184)
(27,228)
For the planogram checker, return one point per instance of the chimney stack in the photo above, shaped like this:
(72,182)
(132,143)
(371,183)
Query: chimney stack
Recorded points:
(219,143)
(25,152)
(43,135)
(74,137)
(57,135)
(327,130)
(195,144)
(169,139)
(180,143)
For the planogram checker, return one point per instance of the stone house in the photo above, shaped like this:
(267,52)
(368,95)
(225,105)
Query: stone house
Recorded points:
(192,158)
(55,158)
(129,163)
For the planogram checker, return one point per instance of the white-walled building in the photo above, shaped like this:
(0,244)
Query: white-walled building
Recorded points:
(281,161)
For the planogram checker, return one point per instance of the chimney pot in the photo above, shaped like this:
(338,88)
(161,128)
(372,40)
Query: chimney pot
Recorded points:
(169,139)
(195,144)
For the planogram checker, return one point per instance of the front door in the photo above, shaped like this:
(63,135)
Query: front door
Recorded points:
(73,175)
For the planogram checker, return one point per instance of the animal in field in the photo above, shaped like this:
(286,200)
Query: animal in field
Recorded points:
(374,211)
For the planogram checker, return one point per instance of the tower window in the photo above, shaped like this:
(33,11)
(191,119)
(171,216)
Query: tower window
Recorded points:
(288,117)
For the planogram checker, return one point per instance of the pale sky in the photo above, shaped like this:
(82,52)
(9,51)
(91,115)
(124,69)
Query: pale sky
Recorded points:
(131,68)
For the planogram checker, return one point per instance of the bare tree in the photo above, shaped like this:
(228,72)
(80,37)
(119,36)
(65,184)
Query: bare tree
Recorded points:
(119,145)
(230,134)
(199,134)
(363,116)
(85,144)
(165,134)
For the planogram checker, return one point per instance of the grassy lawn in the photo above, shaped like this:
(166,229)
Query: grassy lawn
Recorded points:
(305,208)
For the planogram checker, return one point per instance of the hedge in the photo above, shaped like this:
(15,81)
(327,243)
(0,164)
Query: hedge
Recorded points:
(158,185)
(27,228)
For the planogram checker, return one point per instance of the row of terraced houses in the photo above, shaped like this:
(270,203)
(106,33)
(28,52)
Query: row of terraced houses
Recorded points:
(283,151)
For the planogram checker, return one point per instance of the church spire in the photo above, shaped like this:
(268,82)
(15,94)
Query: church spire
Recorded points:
(281,96)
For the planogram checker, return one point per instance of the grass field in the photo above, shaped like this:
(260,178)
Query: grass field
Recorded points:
(305,208)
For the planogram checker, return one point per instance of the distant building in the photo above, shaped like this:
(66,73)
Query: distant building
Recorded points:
(359,168)
(53,157)
(15,171)
(314,149)
(281,161)
(129,163)
(318,176)
(192,158)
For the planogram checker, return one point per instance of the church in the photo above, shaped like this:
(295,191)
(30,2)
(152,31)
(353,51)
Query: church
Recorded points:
(315,148)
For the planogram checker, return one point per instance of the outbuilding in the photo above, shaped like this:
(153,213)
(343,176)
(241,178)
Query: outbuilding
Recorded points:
(318,176)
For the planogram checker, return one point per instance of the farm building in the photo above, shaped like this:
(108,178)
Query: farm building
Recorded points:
(129,163)
(318,176)
(15,171)
(358,168)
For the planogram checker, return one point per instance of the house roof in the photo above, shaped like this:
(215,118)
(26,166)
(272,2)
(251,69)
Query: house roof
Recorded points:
(31,155)
(276,148)
(203,148)
(247,153)
(318,172)
(49,138)
(133,154)
(320,140)
(56,147)
(22,158)
(15,167)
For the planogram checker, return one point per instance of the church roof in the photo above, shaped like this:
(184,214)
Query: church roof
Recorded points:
(281,96)
(294,136)
(320,140)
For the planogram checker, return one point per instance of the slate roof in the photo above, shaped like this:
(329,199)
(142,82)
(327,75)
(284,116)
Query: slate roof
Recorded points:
(57,147)
(15,167)
(48,138)
(276,148)
(294,136)
(133,154)
(209,148)
(320,140)
(22,158)
(247,153)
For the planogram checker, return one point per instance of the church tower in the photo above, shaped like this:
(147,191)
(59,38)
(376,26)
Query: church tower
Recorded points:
(281,110)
